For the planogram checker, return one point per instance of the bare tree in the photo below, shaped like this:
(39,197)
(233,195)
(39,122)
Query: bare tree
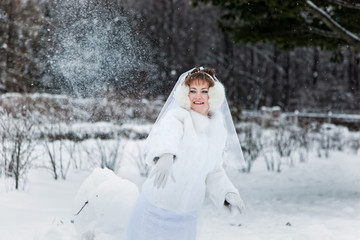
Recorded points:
(18,140)
(107,153)
(304,143)
(54,145)
(51,151)
(251,143)
(354,143)
(73,150)
(138,157)
(285,144)
(324,140)
(269,152)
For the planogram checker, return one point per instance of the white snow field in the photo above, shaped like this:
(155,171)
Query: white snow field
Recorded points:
(319,199)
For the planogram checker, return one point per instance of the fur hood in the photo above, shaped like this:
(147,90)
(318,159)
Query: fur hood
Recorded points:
(216,96)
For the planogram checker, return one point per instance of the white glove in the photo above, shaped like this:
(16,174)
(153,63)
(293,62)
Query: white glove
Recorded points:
(236,204)
(162,169)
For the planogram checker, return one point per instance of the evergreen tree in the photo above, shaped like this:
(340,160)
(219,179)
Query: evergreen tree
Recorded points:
(326,23)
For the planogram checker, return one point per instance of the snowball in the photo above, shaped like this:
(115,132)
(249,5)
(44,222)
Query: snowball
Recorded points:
(110,201)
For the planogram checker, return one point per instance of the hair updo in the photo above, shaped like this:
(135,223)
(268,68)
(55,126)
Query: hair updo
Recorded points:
(205,74)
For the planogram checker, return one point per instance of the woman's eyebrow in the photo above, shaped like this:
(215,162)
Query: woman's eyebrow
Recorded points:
(196,88)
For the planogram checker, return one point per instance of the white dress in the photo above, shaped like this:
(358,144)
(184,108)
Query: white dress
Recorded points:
(197,141)
(149,222)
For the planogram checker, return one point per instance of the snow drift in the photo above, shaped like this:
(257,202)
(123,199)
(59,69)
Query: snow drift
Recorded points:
(104,203)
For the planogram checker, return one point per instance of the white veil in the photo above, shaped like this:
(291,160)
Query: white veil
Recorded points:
(232,155)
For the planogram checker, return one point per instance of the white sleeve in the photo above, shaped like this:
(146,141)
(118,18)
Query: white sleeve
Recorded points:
(218,185)
(165,138)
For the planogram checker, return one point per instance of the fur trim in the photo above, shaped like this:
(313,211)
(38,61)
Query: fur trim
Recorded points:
(182,96)
(201,122)
(216,96)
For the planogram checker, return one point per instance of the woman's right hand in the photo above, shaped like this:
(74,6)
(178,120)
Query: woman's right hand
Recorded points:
(162,169)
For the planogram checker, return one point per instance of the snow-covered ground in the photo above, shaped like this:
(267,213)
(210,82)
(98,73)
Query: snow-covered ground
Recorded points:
(319,199)
(315,200)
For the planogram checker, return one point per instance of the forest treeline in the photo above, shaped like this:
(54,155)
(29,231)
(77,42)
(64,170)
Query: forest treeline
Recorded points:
(138,49)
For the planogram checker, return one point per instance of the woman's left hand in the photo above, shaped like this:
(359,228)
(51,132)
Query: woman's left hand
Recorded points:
(235,202)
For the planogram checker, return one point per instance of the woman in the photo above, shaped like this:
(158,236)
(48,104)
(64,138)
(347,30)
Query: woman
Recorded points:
(185,149)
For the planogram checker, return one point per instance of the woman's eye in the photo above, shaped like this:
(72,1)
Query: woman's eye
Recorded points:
(205,91)
(192,91)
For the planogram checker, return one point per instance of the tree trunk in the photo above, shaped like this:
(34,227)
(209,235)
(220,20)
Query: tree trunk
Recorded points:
(353,81)
(315,71)
(229,69)
(18,162)
(9,63)
(170,36)
(287,87)
(275,84)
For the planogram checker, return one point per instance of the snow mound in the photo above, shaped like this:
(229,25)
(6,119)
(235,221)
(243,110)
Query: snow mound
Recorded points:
(104,202)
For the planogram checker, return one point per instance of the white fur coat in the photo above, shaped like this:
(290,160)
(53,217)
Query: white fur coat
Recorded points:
(197,142)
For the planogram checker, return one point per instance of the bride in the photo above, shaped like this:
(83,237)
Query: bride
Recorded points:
(194,132)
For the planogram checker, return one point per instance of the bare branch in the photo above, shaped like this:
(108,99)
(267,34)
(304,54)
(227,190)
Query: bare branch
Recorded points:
(268,57)
(255,80)
(323,33)
(346,4)
(343,33)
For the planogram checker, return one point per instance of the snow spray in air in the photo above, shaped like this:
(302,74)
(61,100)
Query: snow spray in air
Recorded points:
(94,47)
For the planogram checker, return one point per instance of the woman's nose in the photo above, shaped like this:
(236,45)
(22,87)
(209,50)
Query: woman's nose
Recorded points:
(198,95)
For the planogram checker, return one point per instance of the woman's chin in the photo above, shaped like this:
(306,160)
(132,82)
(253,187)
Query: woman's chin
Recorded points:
(199,109)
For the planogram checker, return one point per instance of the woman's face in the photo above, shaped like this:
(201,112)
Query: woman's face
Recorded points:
(199,96)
